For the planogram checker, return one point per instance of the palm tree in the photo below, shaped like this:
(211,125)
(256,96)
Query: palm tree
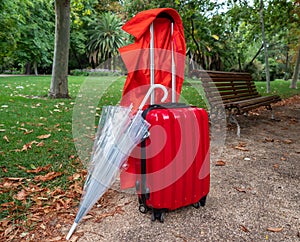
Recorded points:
(105,39)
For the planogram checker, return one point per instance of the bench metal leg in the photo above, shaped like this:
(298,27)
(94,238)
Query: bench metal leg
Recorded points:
(232,119)
(269,107)
(272,114)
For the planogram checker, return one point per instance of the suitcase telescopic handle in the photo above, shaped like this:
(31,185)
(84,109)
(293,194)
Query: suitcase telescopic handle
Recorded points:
(150,91)
(173,66)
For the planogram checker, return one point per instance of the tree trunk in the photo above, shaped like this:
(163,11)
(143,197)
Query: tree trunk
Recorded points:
(265,45)
(59,82)
(35,68)
(257,53)
(239,61)
(200,57)
(27,68)
(286,67)
(296,71)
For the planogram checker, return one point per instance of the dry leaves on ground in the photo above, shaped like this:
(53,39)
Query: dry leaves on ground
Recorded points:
(275,230)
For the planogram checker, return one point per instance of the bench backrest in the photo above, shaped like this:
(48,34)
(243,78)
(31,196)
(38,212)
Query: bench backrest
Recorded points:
(231,86)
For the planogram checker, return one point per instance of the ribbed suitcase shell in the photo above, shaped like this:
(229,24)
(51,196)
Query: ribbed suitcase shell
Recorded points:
(175,165)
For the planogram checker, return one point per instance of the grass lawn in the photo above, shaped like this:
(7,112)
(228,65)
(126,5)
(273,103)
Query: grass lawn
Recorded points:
(43,141)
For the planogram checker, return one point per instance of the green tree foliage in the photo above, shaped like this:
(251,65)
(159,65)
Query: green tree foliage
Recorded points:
(106,37)
(24,32)
(35,45)
(220,35)
(82,15)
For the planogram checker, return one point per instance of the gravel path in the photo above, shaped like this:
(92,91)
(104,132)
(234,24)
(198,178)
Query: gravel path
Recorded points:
(254,196)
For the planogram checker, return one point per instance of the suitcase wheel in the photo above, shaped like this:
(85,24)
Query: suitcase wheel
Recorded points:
(196,205)
(200,203)
(143,208)
(158,214)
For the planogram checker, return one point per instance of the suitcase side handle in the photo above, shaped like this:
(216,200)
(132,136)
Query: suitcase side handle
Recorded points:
(150,91)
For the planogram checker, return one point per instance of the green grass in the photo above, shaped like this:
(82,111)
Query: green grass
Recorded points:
(26,113)
(279,87)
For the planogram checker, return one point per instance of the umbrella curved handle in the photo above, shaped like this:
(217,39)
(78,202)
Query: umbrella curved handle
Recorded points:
(151,89)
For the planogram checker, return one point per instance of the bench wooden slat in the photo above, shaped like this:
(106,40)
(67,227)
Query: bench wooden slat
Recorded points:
(234,89)
(224,84)
(237,89)
(231,95)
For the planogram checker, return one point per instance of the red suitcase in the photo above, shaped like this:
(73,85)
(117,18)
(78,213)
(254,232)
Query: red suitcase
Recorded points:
(174,170)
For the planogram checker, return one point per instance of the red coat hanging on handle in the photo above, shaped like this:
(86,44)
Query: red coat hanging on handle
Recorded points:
(167,36)
(136,56)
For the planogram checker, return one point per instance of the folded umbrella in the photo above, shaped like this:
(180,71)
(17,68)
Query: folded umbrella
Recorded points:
(118,133)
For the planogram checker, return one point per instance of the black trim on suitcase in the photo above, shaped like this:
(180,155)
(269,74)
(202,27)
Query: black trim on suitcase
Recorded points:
(164,105)
(141,186)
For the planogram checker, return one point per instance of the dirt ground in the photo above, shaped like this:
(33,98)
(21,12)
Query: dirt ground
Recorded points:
(254,193)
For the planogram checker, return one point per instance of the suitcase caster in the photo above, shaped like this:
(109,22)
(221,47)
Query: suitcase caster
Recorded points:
(200,203)
(196,205)
(143,208)
(157,214)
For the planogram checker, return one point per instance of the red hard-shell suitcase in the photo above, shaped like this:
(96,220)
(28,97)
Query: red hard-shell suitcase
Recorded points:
(174,169)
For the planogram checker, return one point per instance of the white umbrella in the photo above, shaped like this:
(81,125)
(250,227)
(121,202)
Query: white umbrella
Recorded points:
(118,133)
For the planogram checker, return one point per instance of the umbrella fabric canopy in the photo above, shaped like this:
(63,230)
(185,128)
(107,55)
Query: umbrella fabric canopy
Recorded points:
(118,133)
(136,55)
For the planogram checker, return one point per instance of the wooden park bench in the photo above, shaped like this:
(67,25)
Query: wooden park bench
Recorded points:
(234,91)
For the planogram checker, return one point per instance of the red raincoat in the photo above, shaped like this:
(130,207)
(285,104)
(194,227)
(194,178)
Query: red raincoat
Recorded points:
(136,57)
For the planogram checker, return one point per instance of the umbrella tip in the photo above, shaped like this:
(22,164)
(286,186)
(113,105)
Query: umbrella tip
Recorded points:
(71,231)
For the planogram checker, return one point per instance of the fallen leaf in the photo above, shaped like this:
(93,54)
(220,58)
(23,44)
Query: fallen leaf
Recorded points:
(244,229)
(45,136)
(87,217)
(28,146)
(6,139)
(40,144)
(76,176)
(42,226)
(28,131)
(48,177)
(21,195)
(276,166)
(58,238)
(241,146)
(239,189)
(8,204)
(4,169)
(275,230)
(8,230)
(22,168)
(5,222)
(220,163)
(39,169)
(269,140)
(288,141)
